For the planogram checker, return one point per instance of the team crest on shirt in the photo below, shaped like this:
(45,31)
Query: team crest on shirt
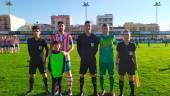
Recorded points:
(101,39)
(130,53)
(56,59)
(40,47)
(92,44)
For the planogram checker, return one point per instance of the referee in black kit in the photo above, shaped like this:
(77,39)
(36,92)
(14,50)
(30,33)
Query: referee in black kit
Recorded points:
(36,46)
(87,46)
(126,62)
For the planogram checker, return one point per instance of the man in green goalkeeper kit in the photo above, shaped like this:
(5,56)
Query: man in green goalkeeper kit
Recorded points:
(56,66)
(106,58)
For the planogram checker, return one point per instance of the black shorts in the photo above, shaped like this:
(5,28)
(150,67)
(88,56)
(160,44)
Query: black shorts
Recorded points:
(2,46)
(85,64)
(16,45)
(11,46)
(34,65)
(6,46)
(126,68)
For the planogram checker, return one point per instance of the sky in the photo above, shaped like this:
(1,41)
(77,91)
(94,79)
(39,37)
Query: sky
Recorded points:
(138,11)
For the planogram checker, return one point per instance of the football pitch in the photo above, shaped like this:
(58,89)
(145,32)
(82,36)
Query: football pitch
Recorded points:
(154,74)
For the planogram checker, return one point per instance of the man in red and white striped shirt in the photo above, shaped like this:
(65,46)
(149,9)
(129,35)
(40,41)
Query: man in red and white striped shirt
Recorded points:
(67,47)
(1,44)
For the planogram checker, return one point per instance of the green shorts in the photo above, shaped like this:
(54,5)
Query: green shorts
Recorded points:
(103,66)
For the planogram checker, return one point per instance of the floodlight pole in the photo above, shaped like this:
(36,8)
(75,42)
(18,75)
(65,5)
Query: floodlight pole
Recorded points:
(157,4)
(9,4)
(85,4)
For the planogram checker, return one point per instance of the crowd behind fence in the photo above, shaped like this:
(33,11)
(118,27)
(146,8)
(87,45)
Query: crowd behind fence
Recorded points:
(140,37)
(9,44)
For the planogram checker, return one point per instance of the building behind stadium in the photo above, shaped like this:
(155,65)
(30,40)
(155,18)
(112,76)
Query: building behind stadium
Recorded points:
(11,23)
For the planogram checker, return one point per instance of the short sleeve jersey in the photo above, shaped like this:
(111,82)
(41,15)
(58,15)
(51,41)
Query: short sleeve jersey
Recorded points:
(107,48)
(126,52)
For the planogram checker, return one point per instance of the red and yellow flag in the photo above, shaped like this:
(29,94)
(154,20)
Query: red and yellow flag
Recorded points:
(137,79)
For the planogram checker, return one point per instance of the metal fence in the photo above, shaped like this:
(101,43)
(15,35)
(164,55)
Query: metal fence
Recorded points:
(139,36)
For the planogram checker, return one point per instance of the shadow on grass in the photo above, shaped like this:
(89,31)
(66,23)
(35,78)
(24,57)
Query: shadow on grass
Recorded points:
(107,94)
(165,69)
(22,66)
(2,78)
(33,94)
(65,93)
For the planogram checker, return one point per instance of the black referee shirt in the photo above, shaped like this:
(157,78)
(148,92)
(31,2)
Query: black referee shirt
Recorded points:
(87,46)
(36,48)
(126,52)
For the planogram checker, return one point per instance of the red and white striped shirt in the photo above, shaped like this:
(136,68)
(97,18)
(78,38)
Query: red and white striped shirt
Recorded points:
(66,40)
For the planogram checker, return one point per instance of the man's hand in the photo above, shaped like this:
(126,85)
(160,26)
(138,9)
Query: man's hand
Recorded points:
(136,66)
(64,53)
(44,60)
(117,66)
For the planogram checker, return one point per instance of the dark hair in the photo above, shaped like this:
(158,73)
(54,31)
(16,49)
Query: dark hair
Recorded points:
(56,42)
(104,25)
(60,22)
(87,22)
(125,31)
(35,27)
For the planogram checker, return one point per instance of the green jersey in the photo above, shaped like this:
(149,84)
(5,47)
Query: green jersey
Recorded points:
(106,48)
(57,62)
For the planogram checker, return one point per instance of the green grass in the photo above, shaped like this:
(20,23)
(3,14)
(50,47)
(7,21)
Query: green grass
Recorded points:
(154,73)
